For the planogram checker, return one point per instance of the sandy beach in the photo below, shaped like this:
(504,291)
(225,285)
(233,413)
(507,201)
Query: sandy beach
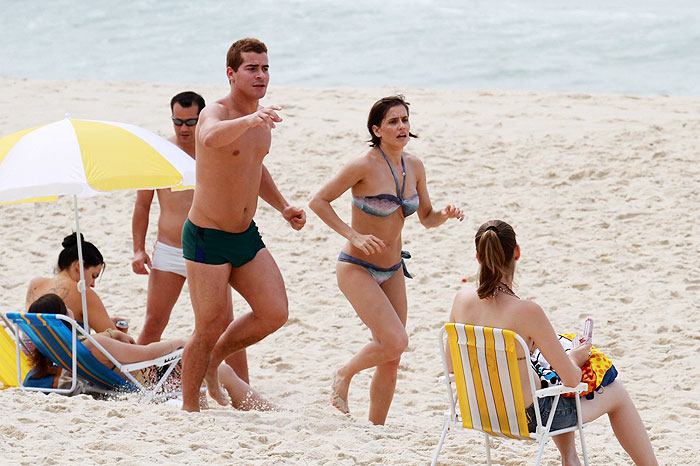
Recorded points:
(603,191)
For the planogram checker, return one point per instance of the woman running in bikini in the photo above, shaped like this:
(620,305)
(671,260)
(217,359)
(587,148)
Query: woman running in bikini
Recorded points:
(388,185)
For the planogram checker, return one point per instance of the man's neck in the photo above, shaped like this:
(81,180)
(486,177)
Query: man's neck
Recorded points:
(243,103)
(189,148)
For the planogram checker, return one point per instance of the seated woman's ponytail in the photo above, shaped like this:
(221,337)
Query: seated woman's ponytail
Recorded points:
(495,244)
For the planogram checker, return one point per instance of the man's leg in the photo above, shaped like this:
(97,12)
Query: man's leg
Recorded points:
(209,291)
(238,361)
(261,285)
(163,290)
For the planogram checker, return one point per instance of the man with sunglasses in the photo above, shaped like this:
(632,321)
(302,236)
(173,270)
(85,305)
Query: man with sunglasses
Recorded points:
(166,268)
(220,240)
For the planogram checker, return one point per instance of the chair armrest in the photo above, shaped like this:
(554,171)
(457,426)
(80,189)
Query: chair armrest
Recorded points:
(559,389)
(159,361)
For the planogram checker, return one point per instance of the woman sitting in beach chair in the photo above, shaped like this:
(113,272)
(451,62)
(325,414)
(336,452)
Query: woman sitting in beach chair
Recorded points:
(65,283)
(118,344)
(494,304)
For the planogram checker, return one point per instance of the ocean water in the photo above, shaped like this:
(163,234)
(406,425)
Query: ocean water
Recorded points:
(613,46)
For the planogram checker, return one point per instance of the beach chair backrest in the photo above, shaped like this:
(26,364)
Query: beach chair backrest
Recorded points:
(54,339)
(488,379)
(8,361)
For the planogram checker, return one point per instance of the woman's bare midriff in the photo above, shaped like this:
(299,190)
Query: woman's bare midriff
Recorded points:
(388,229)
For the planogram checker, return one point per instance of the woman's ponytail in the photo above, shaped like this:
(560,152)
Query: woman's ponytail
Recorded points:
(495,245)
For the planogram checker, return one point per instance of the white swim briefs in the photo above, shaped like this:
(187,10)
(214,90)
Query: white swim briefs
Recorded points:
(168,259)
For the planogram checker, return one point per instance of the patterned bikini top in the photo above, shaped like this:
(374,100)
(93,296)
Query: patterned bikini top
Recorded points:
(383,205)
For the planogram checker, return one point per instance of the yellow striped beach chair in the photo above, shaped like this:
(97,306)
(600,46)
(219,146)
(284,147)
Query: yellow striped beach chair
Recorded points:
(485,391)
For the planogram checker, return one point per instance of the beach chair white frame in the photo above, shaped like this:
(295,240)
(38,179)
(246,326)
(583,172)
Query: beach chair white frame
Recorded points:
(453,417)
(149,394)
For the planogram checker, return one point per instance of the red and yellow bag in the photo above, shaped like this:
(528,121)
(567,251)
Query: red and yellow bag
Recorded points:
(596,372)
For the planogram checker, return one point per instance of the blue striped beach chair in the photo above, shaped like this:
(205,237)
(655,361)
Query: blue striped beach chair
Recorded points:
(489,396)
(59,342)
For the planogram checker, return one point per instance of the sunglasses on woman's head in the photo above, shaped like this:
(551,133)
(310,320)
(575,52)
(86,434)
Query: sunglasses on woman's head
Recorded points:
(190,122)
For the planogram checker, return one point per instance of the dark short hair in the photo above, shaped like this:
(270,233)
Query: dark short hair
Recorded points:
(92,256)
(379,111)
(46,304)
(234,58)
(186,99)
(50,303)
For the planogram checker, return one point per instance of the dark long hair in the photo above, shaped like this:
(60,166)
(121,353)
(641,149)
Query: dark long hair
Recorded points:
(47,304)
(92,256)
(495,245)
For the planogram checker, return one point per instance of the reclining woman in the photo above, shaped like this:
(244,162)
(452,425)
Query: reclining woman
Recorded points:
(118,344)
(494,304)
(65,283)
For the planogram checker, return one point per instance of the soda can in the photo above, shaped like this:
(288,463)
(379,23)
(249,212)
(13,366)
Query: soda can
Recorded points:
(122,325)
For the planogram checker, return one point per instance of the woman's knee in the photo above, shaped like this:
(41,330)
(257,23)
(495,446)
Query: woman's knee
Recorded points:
(395,345)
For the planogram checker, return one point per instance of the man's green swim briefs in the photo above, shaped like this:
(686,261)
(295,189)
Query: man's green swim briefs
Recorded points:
(211,246)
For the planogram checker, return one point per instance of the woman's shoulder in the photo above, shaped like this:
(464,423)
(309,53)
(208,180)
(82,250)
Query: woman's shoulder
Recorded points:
(362,162)
(466,295)
(465,299)
(528,309)
(37,282)
(92,296)
(412,160)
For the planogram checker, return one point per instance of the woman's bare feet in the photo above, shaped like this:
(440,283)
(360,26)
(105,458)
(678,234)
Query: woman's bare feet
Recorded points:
(215,389)
(253,401)
(339,392)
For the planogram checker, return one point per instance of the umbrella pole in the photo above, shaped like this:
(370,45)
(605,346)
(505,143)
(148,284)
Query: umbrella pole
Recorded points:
(81,283)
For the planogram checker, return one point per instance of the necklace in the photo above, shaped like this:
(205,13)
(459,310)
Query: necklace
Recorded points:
(503,288)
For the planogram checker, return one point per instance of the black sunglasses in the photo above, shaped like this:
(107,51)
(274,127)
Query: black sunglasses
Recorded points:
(190,122)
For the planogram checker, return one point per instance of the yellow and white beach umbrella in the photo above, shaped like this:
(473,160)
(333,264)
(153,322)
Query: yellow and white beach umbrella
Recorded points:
(83,158)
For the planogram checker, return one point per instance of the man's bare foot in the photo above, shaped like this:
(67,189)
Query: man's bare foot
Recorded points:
(339,392)
(216,391)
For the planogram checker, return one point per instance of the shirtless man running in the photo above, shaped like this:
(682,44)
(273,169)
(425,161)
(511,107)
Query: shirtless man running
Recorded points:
(220,240)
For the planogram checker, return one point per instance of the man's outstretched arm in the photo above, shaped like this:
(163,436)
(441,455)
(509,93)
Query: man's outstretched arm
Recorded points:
(215,129)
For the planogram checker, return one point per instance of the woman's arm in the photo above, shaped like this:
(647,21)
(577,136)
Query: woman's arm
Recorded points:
(536,323)
(348,177)
(98,319)
(127,353)
(429,217)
